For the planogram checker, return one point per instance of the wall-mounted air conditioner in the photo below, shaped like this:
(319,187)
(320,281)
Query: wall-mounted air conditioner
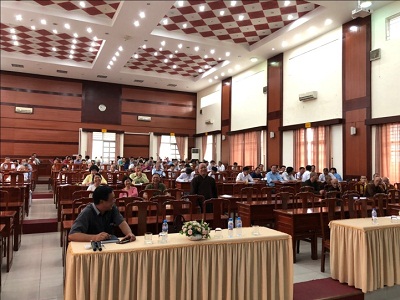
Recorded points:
(308,96)
(195,153)
(209,121)
(144,118)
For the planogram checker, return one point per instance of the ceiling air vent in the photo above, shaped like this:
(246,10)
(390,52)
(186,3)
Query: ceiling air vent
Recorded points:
(17,66)
(62,71)
(138,81)
(172,85)
(101,76)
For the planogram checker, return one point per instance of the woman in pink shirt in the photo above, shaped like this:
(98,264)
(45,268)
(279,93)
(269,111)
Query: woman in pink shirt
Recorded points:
(132,191)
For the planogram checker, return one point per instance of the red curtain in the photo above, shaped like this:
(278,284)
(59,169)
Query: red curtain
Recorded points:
(203,145)
(245,148)
(180,143)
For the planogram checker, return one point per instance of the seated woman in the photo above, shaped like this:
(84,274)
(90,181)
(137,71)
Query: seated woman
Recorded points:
(96,183)
(139,177)
(132,191)
(90,178)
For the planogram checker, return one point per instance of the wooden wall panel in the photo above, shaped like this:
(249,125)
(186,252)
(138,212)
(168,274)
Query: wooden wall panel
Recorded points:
(226,100)
(40,100)
(153,95)
(55,114)
(49,135)
(274,154)
(158,108)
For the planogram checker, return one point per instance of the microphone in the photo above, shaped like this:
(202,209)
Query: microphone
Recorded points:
(94,245)
(99,246)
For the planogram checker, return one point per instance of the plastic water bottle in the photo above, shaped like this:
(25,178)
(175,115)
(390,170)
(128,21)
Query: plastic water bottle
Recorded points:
(230,228)
(374,216)
(238,226)
(164,230)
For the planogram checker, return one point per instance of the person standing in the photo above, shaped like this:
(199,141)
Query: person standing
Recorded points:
(204,185)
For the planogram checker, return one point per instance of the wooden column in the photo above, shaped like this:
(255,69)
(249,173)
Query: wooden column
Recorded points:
(356,97)
(226,96)
(274,109)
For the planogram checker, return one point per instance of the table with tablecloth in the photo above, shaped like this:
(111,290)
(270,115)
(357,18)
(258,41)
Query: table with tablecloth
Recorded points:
(365,255)
(246,267)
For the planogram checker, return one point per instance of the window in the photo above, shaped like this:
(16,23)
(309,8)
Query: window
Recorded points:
(393,27)
(208,153)
(168,147)
(104,146)
(210,99)
(387,151)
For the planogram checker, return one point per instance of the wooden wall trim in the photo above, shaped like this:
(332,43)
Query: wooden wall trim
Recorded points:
(158,116)
(156,102)
(258,128)
(207,133)
(39,92)
(40,106)
(36,142)
(274,115)
(384,120)
(97,130)
(313,124)
(169,133)
(143,88)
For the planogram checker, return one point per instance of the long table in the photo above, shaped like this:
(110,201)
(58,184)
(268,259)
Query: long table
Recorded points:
(365,255)
(247,267)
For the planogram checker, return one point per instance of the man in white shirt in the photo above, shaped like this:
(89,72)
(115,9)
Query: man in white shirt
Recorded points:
(288,174)
(221,167)
(210,165)
(187,176)
(322,177)
(244,177)
(306,174)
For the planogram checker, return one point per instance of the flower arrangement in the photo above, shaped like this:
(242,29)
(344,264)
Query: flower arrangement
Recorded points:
(194,228)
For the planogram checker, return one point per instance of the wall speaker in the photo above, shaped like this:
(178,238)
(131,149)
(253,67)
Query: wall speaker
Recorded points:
(375,54)
(265,89)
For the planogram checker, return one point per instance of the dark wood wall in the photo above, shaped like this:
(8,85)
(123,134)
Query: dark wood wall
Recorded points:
(62,106)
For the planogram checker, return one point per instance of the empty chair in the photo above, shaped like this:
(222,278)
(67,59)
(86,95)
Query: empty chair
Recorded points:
(221,209)
(266,193)
(197,202)
(181,210)
(138,213)
(393,196)
(4,198)
(305,199)
(307,189)
(350,200)
(160,199)
(149,193)
(250,194)
(288,189)
(366,205)
(120,193)
(285,198)
(330,205)
(81,194)
(176,193)
(380,200)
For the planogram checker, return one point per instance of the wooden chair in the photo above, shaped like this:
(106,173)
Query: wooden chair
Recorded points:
(248,193)
(333,194)
(288,189)
(350,200)
(174,192)
(142,211)
(307,189)
(285,198)
(360,188)
(380,201)
(4,198)
(78,202)
(266,193)
(305,199)
(220,208)
(122,202)
(397,185)
(364,206)
(149,193)
(330,204)
(179,209)
(393,196)
(82,194)
(197,202)
(120,193)
(160,199)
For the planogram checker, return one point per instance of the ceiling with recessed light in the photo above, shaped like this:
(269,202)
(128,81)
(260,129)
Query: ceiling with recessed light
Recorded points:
(179,45)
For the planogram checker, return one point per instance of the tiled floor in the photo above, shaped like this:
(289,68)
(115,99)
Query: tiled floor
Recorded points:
(37,272)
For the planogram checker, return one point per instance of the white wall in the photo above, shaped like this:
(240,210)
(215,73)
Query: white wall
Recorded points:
(337,148)
(288,149)
(211,112)
(385,82)
(313,66)
(249,103)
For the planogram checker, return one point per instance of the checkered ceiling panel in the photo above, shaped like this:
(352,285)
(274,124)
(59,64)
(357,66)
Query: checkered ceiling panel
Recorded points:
(47,44)
(245,22)
(93,8)
(166,61)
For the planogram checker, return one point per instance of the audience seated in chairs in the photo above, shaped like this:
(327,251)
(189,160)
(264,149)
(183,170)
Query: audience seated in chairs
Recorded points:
(89,179)
(131,190)
(139,177)
(96,183)
(155,185)
(374,187)
(313,182)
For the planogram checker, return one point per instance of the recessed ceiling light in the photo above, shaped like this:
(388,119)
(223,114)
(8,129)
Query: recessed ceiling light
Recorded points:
(71,56)
(144,46)
(33,27)
(273,49)
(136,23)
(184,25)
(95,38)
(180,3)
(43,22)
(328,22)
(206,66)
(176,51)
(180,46)
(82,4)
(12,30)
(18,17)
(136,56)
(111,63)
(200,70)
(73,46)
(229,70)
(72,51)
(165,21)
(254,59)
(365,4)
(142,14)
(54,49)
(117,53)
(290,17)
(74,41)
(227,53)
(67,26)
(89,30)
(241,17)
(155,53)
(114,58)
(55,31)
(233,3)
(163,43)
(93,44)
(16,43)
(284,44)
(174,66)
(210,80)
(215,77)
(14,37)
(160,49)
(109,67)
(202,7)
(206,56)
(222,74)
(120,48)
(165,60)
(237,67)
(171,56)
(286,3)
(196,48)
(212,51)
(222,12)
(90,49)
(75,35)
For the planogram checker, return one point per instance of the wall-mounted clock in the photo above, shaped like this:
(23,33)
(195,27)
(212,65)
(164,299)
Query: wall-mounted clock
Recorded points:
(102,107)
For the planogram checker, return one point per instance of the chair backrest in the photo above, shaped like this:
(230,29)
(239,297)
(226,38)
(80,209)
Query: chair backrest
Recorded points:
(160,199)
(360,187)
(304,199)
(266,193)
(123,201)
(397,185)
(307,189)
(248,193)
(288,189)
(219,207)
(81,194)
(143,209)
(178,209)
(333,194)
(285,198)
(393,196)
(351,201)
(4,198)
(325,217)
(381,201)
(78,202)
(149,193)
(197,202)
(365,205)
(237,187)
(176,193)
(120,193)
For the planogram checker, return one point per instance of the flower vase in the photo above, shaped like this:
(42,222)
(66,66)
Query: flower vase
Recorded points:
(196,237)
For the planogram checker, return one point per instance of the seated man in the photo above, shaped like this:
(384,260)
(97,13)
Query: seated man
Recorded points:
(288,174)
(7,165)
(244,177)
(313,182)
(374,188)
(139,177)
(221,167)
(325,173)
(89,179)
(186,176)
(361,186)
(96,221)
(307,173)
(256,175)
(331,185)
(155,184)
(386,184)
(299,175)
(336,174)
(273,176)
(158,170)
